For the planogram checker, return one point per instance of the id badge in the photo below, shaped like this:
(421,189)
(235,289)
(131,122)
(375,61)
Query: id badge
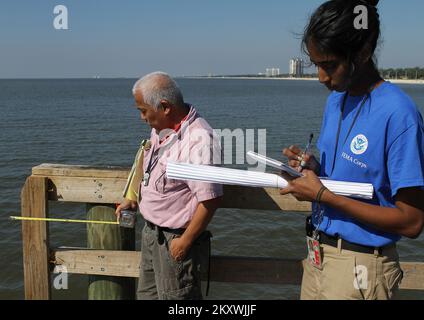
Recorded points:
(146,178)
(314,252)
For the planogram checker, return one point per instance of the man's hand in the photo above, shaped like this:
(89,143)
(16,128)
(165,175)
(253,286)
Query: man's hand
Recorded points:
(294,154)
(179,248)
(126,204)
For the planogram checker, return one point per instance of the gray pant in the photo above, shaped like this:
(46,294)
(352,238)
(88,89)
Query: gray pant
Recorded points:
(161,276)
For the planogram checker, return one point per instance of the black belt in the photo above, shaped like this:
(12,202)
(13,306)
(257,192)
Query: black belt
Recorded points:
(333,240)
(154,226)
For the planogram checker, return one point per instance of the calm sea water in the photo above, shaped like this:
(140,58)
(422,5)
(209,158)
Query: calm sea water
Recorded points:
(93,122)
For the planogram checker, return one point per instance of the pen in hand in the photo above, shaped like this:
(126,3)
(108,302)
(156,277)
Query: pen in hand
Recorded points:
(302,161)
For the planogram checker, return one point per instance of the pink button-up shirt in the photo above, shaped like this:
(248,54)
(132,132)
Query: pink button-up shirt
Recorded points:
(172,203)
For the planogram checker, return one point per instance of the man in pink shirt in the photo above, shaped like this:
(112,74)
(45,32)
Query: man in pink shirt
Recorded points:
(176,212)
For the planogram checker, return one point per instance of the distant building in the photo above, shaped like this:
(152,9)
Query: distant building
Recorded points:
(296,68)
(272,72)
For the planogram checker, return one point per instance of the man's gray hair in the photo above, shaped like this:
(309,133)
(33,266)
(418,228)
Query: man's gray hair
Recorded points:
(157,86)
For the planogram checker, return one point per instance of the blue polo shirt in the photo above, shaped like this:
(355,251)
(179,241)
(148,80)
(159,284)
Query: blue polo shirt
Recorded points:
(385,147)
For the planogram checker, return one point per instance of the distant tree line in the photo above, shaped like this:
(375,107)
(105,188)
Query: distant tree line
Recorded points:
(390,73)
(395,73)
(402,73)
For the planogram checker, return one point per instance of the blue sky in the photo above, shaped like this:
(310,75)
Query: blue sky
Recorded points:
(182,37)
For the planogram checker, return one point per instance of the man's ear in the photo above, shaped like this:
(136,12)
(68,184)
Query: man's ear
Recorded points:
(166,106)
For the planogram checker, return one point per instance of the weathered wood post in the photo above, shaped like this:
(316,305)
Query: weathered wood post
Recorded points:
(35,239)
(109,237)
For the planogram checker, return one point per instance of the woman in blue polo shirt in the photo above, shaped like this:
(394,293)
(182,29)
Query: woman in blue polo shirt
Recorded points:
(372,132)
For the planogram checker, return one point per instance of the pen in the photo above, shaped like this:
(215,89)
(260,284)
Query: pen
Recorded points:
(302,162)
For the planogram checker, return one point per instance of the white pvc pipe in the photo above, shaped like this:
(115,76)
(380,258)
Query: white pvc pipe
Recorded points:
(211,174)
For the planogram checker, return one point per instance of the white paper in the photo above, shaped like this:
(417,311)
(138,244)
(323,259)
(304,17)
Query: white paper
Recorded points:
(274,163)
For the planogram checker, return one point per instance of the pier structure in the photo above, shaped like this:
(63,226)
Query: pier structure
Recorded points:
(110,257)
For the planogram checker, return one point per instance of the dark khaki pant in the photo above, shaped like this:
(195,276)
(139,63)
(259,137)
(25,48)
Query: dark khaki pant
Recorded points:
(349,275)
(162,277)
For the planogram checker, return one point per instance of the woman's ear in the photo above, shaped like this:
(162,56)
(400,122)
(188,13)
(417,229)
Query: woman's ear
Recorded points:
(364,56)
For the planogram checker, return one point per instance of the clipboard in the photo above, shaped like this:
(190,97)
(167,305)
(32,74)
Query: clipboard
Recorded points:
(275,164)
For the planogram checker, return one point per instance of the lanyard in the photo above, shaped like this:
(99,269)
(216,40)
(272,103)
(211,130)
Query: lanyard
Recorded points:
(152,163)
(351,126)
(155,157)
(320,213)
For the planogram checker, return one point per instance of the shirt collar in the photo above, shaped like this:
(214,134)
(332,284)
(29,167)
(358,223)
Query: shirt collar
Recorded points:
(177,127)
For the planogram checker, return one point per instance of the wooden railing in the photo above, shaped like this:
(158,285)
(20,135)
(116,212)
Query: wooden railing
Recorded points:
(54,182)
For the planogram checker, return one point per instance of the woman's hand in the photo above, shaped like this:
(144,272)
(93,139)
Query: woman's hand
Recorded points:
(294,154)
(305,188)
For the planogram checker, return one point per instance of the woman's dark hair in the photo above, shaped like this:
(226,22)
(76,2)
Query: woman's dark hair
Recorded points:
(332,30)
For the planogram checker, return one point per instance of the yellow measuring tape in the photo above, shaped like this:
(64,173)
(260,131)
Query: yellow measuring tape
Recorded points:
(62,220)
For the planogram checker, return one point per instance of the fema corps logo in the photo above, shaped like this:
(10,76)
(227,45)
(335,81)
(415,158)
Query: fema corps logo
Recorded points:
(359,144)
